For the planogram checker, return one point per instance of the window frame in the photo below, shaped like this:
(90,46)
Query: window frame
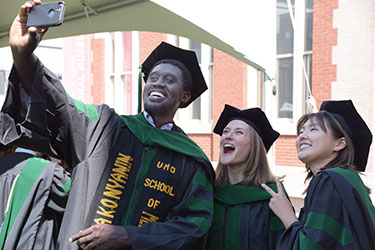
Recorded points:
(286,125)
(183,117)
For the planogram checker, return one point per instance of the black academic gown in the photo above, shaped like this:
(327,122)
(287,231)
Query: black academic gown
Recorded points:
(7,177)
(243,219)
(33,198)
(337,214)
(125,172)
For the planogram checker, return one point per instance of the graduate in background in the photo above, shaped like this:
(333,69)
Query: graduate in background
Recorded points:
(138,181)
(242,218)
(338,213)
(33,195)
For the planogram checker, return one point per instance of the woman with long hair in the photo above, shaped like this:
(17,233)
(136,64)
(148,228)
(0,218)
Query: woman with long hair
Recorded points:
(242,217)
(338,213)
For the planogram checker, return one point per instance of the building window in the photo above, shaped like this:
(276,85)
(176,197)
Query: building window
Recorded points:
(308,24)
(285,45)
(3,81)
(284,28)
(197,117)
(197,48)
(119,89)
(196,109)
(307,56)
(196,105)
(294,52)
(285,87)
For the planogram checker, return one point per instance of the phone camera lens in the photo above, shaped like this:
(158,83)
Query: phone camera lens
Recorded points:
(51,12)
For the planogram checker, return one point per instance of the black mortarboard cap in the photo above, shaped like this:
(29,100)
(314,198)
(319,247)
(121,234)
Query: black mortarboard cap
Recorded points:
(355,126)
(255,117)
(187,57)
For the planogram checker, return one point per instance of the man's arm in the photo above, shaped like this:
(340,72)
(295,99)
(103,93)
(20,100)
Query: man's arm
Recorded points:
(45,120)
(23,41)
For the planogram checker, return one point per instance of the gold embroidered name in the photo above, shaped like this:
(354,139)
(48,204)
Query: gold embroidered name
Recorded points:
(166,167)
(159,186)
(114,189)
(146,218)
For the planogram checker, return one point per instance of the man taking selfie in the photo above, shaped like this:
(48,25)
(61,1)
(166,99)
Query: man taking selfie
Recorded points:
(138,181)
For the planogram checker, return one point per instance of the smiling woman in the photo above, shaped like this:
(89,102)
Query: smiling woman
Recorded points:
(338,213)
(316,146)
(242,218)
(234,145)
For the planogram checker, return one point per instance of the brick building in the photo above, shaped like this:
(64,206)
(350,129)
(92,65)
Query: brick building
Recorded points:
(325,48)
(318,53)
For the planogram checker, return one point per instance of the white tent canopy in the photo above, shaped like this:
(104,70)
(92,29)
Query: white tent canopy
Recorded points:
(241,28)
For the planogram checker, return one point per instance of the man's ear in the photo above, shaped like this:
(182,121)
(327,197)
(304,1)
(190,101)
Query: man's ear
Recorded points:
(340,144)
(185,97)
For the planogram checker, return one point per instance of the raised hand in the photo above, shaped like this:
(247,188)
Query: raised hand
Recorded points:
(22,39)
(102,236)
(280,205)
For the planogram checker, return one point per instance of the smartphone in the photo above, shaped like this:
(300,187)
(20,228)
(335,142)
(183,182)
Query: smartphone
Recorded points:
(46,14)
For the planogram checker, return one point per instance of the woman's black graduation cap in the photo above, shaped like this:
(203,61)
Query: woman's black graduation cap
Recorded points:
(187,57)
(255,117)
(355,126)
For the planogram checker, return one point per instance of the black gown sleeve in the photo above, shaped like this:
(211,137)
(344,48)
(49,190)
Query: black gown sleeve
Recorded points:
(325,223)
(52,122)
